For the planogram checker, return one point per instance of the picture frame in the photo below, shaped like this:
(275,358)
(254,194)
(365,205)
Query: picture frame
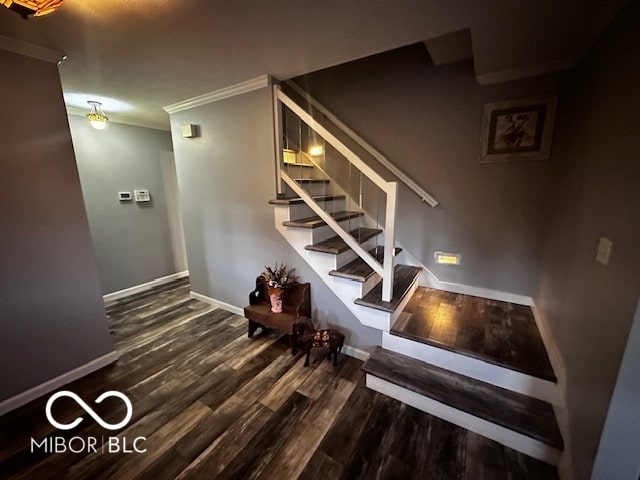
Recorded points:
(517,129)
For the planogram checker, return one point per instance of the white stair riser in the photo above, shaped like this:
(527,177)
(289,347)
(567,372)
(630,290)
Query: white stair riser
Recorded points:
(346,290)
(346,257)
(318,188)
(369,283)
(302,210)
(502,435)
(474,368)
(282,213)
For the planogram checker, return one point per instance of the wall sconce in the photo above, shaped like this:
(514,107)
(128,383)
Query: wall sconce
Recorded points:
(447,258)
(96,117)
(32,8)
(316,150)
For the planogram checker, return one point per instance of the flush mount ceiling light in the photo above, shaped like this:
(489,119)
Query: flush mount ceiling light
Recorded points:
(32,8)
(97,119)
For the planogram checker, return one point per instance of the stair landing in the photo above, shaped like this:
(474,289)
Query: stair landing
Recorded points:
(501,333)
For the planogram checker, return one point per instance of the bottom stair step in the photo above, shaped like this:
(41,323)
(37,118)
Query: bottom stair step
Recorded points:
(403,277)
(515,412)
(358,270)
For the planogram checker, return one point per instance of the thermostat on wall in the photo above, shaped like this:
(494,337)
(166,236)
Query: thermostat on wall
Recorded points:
(142,195)
(124,196)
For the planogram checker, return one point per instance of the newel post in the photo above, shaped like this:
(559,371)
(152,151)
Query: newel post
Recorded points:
(389,241)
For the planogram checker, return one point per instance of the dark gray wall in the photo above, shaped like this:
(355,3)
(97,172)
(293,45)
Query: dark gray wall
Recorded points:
(226,177)
(590,307)
(619,453)
(52,317)
(132,240)
(426,120)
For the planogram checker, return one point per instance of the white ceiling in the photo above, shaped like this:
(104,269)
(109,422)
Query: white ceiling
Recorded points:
(140,55)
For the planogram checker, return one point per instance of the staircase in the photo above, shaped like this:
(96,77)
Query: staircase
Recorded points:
(322,214)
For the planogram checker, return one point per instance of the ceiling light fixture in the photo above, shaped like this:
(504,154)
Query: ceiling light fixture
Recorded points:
(32,8)
(97,118)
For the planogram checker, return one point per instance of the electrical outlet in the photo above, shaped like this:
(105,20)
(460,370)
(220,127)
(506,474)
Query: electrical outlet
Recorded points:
(604,251)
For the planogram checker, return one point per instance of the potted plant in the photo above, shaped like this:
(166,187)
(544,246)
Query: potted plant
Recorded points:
(276,280)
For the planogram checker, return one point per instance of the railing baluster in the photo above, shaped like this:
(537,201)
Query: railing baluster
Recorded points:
(320,160)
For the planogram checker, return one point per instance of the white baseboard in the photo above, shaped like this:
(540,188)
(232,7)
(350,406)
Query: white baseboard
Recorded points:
(355,353)
(552,349)
(565,469)
(57,382)
(109,297)
(347,349)
(434,282)
(217,303)
(430,279)
(502,435)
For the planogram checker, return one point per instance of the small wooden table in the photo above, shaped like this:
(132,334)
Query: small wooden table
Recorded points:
(296,301)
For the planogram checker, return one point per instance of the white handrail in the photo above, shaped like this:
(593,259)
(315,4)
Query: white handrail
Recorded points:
(384,161)
(386,270)
(335,226)
(332,140)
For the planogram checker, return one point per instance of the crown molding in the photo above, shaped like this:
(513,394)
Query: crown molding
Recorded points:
(511,74)
(79,112)
(30,50)
(231,91)
(76,111)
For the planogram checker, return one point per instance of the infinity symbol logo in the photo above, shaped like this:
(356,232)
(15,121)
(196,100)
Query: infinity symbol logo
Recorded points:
(89,410)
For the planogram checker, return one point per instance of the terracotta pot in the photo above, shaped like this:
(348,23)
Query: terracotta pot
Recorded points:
(275,296)
(276,303)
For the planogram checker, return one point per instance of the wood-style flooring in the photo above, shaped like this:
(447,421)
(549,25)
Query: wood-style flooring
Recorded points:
(211,403)
(501,333)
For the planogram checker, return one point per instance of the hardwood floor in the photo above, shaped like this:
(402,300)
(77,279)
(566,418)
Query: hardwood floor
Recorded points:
(501,333)
(210,403)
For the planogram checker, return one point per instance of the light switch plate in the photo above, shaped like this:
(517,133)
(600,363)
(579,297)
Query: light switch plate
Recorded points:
(604,251)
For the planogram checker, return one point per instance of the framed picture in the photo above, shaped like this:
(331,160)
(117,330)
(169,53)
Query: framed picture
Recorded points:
(517,129)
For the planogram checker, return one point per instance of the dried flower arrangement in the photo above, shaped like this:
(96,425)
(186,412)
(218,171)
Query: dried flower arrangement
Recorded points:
(279,277)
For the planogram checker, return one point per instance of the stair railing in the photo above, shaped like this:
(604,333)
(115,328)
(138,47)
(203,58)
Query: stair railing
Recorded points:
(384,161)
(390,189)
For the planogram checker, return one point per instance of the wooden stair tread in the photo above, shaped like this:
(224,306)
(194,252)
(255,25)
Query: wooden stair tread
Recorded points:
(298,200)
(358,270)
(315,221)
(312,180)
(404,276)
(513,340)
(519,413)
(337,245)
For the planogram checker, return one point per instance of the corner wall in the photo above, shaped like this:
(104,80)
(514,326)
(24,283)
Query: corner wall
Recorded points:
(589,306)
(132,241)
(52,316)
(226,176)
(426,120)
